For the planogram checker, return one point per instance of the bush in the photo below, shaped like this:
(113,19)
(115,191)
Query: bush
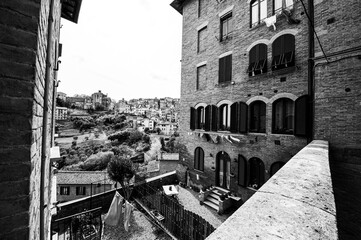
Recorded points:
(135,136)
(120,136)
(97,161)
(146,138)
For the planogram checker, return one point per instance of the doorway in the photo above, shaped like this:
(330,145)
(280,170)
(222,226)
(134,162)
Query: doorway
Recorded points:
(223,170)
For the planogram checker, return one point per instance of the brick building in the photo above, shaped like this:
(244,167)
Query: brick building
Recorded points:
(73,185)
(250,96)
(29,43)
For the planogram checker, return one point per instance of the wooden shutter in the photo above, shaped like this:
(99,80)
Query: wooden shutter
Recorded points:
(214,119)
(192,118)
(253,55)
(242,171)
(222,69)
(208,117)
(201,159)
(228,73)
(262,52)
(302,116)
(277,46)
(288,43)
(196,158)
(234,117)
(243,116)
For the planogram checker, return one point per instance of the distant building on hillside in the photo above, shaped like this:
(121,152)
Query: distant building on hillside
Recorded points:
(61,113)
(78,102)
(100,99)
(73,185)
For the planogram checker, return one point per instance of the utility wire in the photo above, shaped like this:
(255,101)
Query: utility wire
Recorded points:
(313,28)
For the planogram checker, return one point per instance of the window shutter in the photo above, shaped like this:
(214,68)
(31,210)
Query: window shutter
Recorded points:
(201,159)
(262,52)
(277,46)
(243,112)
(222,69)
(253,55)
(242,170)
(228,73)
(208,117)
(196,158)
(301,116)
(288,43)
(192,118)
(214,119)
(234,117)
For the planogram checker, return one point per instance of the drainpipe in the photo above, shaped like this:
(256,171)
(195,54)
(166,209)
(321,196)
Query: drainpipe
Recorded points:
(44,147)
(311,83)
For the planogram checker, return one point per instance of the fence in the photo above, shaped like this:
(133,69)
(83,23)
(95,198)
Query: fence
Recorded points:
(85,225)
(182,223)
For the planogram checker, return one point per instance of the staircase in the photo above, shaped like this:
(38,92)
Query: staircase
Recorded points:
(212,199)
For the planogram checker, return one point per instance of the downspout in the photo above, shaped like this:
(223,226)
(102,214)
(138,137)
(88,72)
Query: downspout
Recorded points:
(44,147)
(311,83)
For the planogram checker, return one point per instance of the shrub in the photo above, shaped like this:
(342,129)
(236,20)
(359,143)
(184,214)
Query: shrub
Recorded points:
(146,138)
(135,136)
(121,136)
(97,161)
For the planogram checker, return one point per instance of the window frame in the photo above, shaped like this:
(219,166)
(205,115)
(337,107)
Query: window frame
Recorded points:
(200,112)
(279,10)
(64,190)
(224,117)
(283,102)
(283,52)
(199,40)
(258,54)
(199,159)
(198,76)
(259,6)
(258,164)
(226,18)
(80,190)
(225,69)
(258,128)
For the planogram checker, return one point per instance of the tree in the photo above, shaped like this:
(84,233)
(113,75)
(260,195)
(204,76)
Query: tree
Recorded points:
(121,170)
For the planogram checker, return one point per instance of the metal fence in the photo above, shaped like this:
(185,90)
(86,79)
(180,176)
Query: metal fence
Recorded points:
(182,223)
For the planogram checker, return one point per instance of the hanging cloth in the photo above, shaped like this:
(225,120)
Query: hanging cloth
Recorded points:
(271,21)
(114,215)
(127,212)
(234,139)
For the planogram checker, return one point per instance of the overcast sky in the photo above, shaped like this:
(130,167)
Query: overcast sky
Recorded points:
(126,49)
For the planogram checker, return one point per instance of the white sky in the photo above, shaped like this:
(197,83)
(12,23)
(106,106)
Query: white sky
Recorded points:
(126,49)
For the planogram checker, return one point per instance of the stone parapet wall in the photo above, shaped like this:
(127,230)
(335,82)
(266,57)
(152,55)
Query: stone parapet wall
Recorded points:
(296,203)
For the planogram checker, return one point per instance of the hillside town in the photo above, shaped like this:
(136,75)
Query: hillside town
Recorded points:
(263,142)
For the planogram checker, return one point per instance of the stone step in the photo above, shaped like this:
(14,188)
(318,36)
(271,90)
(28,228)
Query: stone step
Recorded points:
(221,190)
(213,200)
(213,195)
(212,205)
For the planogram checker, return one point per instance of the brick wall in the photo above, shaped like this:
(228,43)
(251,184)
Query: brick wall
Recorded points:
(337,84)
(23,42)
(267,85)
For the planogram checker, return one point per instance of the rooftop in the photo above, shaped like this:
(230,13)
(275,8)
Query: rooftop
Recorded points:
(83,177)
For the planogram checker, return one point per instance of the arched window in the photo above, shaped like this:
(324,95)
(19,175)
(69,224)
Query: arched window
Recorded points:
(200,118)
(276,166)
(256,174)
(224,117)
(242,171)
(283,52)
(257,120)
(283,116)
(199,159)
(257,60)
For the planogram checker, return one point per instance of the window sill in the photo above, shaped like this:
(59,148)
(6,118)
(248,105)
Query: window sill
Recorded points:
(253,28)
(282,135)
(225,84)
(284,70)
(257,134)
